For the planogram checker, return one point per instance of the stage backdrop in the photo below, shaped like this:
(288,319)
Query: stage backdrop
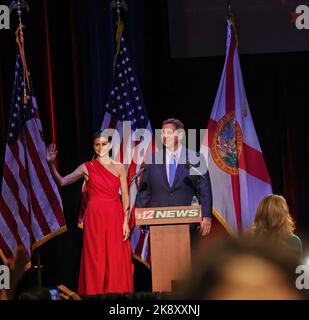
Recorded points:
(263,26)
(70,52)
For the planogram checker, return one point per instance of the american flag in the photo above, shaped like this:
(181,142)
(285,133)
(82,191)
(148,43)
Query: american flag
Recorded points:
(126,104)
(31,210)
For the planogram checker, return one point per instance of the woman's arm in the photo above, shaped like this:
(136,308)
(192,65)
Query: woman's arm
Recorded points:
(125,201)
(78,173)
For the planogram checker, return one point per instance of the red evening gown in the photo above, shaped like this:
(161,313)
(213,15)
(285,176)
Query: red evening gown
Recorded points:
(106,262)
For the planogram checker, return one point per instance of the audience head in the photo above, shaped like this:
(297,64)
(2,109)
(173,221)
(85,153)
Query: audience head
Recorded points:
(273,219)
(246,268)
(35,294)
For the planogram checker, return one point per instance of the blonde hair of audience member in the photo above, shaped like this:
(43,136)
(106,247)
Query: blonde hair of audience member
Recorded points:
(273,219)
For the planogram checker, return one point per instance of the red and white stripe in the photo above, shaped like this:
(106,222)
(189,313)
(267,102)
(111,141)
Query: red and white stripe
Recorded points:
(30,205)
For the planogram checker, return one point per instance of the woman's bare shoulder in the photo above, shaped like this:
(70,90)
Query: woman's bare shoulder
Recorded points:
(116,163)
(118,166)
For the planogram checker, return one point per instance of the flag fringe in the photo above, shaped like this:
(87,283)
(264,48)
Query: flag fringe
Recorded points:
(136,257)
(49,237)
(37,244)
(223,222)
(3,257)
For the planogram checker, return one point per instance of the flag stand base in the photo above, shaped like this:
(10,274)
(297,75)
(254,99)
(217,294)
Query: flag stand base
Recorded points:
(38,267)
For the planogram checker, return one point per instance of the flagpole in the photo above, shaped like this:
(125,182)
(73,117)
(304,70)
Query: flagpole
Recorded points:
(118,5)
(19,6)
(229,9)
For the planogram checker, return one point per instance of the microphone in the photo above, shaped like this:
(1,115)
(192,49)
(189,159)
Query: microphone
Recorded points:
(138,173)
(189,166)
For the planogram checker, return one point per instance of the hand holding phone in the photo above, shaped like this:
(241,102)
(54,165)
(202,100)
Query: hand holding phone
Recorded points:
(67,294)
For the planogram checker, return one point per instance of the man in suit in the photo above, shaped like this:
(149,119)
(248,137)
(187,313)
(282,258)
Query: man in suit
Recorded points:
(167,181)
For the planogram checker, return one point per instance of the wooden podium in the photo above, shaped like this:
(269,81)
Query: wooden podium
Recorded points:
(169,242)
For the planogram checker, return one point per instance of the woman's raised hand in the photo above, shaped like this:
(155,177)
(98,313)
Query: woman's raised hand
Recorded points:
(51,153)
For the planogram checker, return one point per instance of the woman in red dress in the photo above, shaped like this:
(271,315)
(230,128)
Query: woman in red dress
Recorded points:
(106,262)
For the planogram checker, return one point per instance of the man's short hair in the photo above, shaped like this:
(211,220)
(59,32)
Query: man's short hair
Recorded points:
(177,123)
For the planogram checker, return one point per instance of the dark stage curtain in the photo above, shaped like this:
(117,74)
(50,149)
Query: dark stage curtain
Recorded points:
(70,47)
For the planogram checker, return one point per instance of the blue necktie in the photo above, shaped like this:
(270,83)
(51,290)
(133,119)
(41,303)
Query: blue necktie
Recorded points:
(172,170)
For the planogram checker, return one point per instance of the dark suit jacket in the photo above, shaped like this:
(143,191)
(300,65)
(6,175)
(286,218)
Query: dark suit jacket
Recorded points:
(155,190)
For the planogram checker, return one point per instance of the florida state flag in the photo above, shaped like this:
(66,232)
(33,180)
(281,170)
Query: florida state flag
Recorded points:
(237,169)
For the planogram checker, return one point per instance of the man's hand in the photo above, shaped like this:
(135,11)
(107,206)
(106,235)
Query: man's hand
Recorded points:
(205,226)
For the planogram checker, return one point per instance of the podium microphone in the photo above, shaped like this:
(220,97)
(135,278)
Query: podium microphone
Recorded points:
(190,166)
(138,173)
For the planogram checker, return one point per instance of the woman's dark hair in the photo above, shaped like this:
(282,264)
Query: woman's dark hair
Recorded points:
(101,133)
(177,123)
(105,134)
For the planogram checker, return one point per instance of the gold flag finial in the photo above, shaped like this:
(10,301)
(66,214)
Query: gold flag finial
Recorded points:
(19,5)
